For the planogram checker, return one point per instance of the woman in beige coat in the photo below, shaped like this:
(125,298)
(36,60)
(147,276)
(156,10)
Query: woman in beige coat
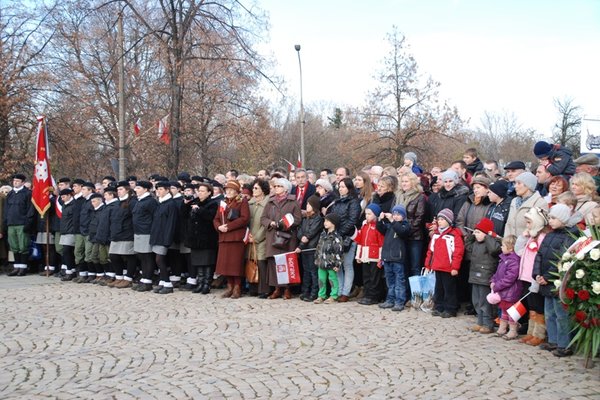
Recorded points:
(258,235)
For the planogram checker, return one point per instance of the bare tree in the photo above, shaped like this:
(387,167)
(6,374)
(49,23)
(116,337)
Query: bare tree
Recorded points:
(567,131)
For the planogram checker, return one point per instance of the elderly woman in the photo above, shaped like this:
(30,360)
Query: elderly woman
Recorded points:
(231,223)
(527,198)
(258,234)
(281,238)
(584,188)
(325,192)
(556,186)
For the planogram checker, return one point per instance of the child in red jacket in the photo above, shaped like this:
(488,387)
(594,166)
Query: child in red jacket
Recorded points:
(444,256)
(368,252)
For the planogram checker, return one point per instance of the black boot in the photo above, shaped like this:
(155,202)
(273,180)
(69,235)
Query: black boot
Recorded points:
(16,265)
(201,280)
(207,278)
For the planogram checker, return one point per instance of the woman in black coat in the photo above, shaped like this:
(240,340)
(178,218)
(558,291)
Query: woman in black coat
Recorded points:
(385,195)
(200,235)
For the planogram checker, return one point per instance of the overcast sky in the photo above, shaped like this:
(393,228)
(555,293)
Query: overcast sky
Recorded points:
(514,56)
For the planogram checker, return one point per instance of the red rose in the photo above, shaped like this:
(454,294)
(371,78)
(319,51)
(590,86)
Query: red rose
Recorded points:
(585,325)
(580,316)
(583,295)
(595,322)
(570,293)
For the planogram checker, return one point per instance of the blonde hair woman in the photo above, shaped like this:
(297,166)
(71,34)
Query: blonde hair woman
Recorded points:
(582,185)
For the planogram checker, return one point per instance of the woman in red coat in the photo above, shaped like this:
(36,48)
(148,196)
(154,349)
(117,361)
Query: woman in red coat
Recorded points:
(231,222)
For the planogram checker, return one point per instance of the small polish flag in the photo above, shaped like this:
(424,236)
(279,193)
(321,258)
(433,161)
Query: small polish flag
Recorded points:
(246,236)
(287,220)
(517,311)
(222,206)
(287,268)
(137,127)
(299,162)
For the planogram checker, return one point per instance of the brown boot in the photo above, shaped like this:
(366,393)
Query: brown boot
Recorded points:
(539,332)
(237,292)
(287,294)
(228,291)
(276,294)
(530,328)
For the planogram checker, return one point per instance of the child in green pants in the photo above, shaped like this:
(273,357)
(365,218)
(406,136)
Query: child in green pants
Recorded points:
(328,259)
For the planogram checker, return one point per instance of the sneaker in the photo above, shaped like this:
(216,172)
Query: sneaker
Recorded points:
(485,330)
(548,346)
(561,352)
(330,300)
(319,300)
(475,328)
(447,314)
(436,313)
(398,307)
(387,304)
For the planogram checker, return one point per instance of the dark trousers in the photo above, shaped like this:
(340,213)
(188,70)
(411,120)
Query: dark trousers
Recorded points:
(373,281)
(310,278)
(445,296)
(147,263)
(263,278)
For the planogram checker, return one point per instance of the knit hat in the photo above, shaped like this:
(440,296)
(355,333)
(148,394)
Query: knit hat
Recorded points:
(485,225)
(375,208)
(500,187)
(542,149)
(233,185)
(315,203)
(481,180)
(411,156)
(333,218)
(324,184)
(560,212)
(528,179)
(447,214)
(448,175)
(538,219)
(400,209)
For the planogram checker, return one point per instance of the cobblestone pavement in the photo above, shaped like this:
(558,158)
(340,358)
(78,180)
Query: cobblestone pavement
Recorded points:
(64,340)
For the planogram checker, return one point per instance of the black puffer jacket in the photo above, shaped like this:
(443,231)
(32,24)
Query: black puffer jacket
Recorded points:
(498,214)
(348,209)
(452,199)
(199,231)
(311,228)
(395,233)
(552,248)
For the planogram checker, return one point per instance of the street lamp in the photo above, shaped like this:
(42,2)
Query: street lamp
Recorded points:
(297,47)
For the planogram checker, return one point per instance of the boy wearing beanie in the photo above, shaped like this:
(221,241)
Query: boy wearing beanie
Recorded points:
(328,259)
(483,247)
(557,160)
(396,229)
(553,246)
(500,205)
(444,255)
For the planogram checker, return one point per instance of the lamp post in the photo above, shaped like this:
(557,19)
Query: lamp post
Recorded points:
(297,47)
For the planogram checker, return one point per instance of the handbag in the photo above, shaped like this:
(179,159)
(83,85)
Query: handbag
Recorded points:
(252,265)
(281,240)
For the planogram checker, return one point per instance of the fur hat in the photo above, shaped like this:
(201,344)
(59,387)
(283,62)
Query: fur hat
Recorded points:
(481,180)
(324,184)
(485,225)
(315,203)
(538,219)
(400,209)
(560,212)
(375,208)
(411,156)
(449,174)
(333,218)
(542,149)
(528,179)
(500,187)
(233,185)
(447,214)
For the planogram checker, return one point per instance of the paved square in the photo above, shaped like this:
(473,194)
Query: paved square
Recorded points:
(66,340)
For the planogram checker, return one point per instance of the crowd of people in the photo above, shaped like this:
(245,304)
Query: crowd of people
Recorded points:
(489,236)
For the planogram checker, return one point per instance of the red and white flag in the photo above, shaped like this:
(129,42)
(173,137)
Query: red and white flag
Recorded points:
(287,220)
(517,311)
(288,271)
(291,166)
(137,127)
(247,236)
(42,178)
(222,206)
(163,130)
(299,162)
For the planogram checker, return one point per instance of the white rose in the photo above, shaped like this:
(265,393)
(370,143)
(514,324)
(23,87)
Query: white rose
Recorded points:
(566,256)
(579,273)
(595,254)
(567,266)
(596,287)
(580,256)
(557,283)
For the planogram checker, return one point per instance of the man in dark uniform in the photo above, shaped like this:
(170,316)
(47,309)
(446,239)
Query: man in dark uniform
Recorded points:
(85,215)
(142,215)
(162,234)
(18,207)
(79,251)
(68,231)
